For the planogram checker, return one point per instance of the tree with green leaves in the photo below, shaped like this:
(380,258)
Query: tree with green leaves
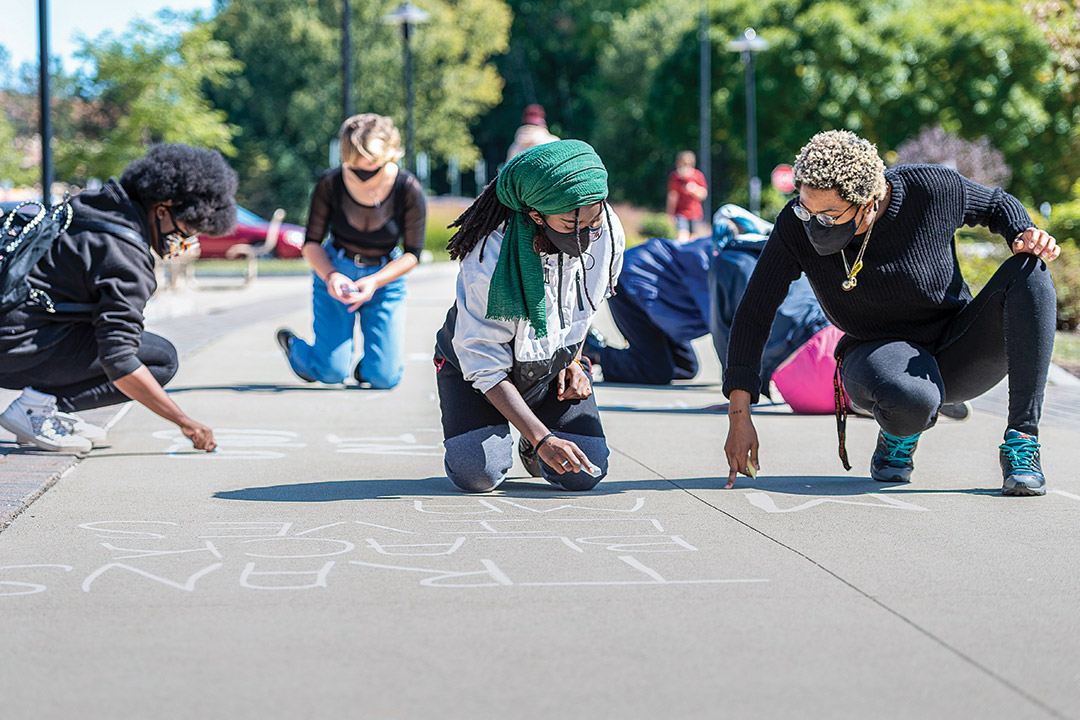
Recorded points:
(14,149)
(286,100)
(143,86)
(552,61)
(882,68)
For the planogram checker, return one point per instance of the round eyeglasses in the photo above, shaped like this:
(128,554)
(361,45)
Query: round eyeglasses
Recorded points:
(823,219)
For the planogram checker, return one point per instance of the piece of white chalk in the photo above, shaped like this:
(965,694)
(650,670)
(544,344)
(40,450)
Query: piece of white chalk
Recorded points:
(594,471)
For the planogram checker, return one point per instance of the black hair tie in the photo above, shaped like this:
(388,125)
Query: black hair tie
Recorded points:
(543,440)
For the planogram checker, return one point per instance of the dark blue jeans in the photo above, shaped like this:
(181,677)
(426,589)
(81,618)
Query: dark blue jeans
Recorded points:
(1008,329)
(652,358)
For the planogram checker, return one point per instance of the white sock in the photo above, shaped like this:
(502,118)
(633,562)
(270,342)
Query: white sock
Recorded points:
(34,397)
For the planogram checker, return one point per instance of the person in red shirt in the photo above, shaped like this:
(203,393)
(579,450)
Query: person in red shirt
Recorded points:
(686,189)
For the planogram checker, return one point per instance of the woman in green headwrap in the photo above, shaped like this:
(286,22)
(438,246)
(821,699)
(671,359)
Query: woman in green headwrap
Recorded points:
(539,249)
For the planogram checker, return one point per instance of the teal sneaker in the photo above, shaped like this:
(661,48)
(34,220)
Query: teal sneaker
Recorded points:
(892,459)
(1019,457)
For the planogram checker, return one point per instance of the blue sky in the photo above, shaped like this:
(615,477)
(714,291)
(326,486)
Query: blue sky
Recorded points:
(70,18)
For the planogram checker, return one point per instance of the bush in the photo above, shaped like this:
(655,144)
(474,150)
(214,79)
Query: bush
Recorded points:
(981,253)
(656,225)
(1066,272)
(1064,222)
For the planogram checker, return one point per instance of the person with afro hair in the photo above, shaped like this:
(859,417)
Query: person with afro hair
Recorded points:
(878,247)
(78,341)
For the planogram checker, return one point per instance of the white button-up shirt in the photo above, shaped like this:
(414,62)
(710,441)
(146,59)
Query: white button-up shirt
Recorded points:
(487,348)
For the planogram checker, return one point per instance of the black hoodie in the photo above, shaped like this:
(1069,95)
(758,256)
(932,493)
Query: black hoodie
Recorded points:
(113,275)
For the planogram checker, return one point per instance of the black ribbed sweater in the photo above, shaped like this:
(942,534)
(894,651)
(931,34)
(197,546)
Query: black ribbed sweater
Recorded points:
(910,286)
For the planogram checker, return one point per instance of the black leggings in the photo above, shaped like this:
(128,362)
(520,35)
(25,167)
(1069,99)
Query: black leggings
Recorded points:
(72,372)
(1008,329)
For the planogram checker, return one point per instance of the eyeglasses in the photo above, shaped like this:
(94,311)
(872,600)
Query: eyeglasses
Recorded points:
(823,219)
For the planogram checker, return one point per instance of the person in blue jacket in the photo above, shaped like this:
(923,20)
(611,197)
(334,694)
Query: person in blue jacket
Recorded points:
(672,292)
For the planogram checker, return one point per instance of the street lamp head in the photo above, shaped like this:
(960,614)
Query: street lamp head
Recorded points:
(749,41)
(406,14)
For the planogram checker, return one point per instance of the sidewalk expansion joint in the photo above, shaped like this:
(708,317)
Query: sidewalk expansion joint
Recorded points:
(895,613)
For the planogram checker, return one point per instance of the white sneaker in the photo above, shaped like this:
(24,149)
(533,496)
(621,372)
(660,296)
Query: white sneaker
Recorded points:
(97,436)
(32,418)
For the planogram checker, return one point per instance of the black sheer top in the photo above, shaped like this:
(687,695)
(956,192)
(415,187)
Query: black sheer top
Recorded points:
(368,229)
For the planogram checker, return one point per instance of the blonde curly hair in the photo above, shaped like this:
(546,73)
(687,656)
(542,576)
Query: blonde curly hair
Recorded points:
(841,160)
(370,136)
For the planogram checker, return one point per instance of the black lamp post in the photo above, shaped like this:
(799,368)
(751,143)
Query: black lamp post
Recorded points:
(407,15)
(705,108)
(43,96)
(749,43)
(346,60)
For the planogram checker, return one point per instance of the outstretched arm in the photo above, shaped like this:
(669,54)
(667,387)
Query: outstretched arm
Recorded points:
(142,387)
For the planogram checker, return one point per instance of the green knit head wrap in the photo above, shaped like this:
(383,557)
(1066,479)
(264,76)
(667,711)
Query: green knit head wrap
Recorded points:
(552,178)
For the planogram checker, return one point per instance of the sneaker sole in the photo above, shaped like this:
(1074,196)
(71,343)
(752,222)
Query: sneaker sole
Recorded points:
(896,477)
(32,442)
(956,411)
(1022,490)
(284,345)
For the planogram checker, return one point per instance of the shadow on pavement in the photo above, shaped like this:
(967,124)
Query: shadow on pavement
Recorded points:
(336,490)
(771,409)
(824,485)
(675,386)
(265,388)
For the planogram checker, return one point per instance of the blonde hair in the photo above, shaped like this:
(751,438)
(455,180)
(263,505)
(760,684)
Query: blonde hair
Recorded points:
(372,137)
(841,160)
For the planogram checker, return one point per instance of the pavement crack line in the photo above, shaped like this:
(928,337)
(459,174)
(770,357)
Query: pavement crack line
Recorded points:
(892,611)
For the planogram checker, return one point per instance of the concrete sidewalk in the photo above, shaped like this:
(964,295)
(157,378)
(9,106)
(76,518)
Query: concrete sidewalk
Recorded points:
(321,564)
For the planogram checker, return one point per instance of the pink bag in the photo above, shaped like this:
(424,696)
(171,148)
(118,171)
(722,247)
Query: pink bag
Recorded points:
(806,378)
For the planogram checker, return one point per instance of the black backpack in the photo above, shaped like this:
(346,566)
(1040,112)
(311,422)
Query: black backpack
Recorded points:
(24,240)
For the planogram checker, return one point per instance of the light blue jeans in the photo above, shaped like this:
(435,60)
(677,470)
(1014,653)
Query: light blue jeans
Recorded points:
(382,324)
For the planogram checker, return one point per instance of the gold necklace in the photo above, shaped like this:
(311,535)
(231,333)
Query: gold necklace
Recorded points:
(849,284)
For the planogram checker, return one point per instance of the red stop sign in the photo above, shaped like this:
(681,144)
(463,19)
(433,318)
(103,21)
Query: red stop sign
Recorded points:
(783,178)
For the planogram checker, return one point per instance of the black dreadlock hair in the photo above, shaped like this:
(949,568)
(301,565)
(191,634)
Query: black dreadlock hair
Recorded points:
(479,220)
(487,214)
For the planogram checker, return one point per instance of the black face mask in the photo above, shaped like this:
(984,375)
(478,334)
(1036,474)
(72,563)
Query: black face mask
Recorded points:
(169,245)
(365,175)
(566,242)
(829,240)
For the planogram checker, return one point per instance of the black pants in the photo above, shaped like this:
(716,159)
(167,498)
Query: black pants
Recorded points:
(1008,329)
(653,358)
(71,371)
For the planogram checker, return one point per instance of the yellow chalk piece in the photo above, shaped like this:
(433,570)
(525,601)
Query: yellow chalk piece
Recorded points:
(751,469)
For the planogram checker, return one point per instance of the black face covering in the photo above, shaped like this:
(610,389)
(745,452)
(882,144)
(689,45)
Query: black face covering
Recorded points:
(829,240)
(567,243)
(365,175)
(171,244)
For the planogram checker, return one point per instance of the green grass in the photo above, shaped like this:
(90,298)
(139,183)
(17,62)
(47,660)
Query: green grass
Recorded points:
(215,267)
(1067,350)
